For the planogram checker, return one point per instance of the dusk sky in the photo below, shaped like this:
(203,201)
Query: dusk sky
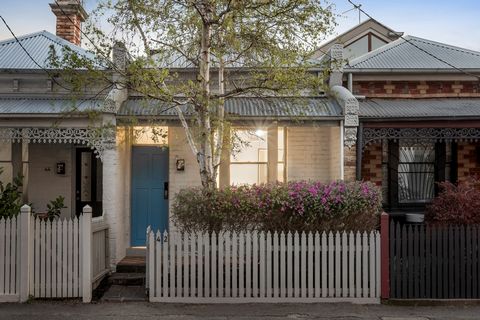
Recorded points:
(452,22)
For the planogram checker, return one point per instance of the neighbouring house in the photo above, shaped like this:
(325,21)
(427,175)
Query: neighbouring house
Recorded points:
(418,118)
(127,174)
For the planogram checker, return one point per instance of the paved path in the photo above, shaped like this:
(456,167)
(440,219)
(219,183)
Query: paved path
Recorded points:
(134,311)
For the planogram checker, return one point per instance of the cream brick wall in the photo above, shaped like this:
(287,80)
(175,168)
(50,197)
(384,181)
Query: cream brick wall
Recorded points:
(44,184)
(179,149)
(313,153)
(6,162)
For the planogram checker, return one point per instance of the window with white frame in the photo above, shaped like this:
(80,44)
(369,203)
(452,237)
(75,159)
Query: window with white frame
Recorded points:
(249,161)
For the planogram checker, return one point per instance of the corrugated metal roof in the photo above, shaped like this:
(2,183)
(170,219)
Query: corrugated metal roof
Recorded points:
(321,107)
(25,106)
(38,44)
(419,108)
(416,53)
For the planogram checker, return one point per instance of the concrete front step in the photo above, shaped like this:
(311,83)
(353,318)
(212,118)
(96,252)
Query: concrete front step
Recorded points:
(127,279)
(117,293)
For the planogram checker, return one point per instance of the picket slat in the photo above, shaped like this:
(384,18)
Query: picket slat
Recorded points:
(289,265)
(344,265)
(220,249)
(234,264)
(261,265)
(324,270)
(255,264)
(331,270)
(206,242)
(351,264)
(193,263)
(269,265)
(185,266)
(48,253)
(3,242)
(283,265)
(37,259)
(227,264)
(296,265)
(76,257)
(358,260)
(310,271)
(338,278)
(200,265)
(317,265)
(303,262)
(276,265)
(241,267)
(13,253)
(213,266)
(248,262)
(365,264)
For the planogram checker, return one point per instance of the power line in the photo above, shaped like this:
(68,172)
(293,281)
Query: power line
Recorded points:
(419,48)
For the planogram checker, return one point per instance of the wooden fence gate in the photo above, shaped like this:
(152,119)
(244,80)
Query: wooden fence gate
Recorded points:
(263,267)
(62,258)
(434,262)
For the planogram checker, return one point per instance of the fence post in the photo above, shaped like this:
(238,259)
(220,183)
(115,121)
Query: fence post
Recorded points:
(24,234)
(86,239)
(385,255)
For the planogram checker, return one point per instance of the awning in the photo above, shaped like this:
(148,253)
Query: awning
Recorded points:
(245,107)
(50,106)
(413,109)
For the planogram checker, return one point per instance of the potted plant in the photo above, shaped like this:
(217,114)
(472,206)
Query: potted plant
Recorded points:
(54,209)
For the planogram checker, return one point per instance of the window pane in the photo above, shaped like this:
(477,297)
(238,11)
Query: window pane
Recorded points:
(248,173)
(150,135)
(281,145)
(252,146)
(281,168)
(86,177)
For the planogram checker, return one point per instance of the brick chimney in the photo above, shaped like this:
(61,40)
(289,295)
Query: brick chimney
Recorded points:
(70,15)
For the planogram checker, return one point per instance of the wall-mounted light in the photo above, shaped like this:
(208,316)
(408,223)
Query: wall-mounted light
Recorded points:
(180,164)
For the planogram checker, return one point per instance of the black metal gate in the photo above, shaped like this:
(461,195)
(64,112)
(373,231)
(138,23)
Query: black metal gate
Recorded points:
(434,262)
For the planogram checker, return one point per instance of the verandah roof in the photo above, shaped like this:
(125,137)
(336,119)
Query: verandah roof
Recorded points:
(424,109)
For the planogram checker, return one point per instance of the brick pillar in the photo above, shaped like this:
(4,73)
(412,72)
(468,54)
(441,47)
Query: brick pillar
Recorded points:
(350,163)
(372,164)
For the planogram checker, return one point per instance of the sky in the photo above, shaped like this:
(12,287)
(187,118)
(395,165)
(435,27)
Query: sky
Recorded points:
(454,22)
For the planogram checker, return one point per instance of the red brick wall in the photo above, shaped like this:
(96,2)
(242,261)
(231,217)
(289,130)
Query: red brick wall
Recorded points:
(417,89)
(372,164)
(467,160)
(67,30)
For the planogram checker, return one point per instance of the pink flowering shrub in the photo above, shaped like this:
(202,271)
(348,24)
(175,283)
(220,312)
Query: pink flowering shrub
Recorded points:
(293,206)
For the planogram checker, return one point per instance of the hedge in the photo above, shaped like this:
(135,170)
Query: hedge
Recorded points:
(294,206)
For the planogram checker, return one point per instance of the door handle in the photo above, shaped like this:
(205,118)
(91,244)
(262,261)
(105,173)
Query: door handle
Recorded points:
(165,190)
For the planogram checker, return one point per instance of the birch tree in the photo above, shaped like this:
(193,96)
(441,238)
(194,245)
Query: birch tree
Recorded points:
(193,55)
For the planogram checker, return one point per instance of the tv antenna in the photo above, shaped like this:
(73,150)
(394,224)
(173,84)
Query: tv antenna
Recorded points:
(355,7)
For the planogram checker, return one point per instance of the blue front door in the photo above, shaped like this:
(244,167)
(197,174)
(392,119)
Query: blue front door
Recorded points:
(149,191)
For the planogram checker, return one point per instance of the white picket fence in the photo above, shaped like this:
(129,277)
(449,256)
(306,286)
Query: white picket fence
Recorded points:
(51,259)
(9,258)
(263,267)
